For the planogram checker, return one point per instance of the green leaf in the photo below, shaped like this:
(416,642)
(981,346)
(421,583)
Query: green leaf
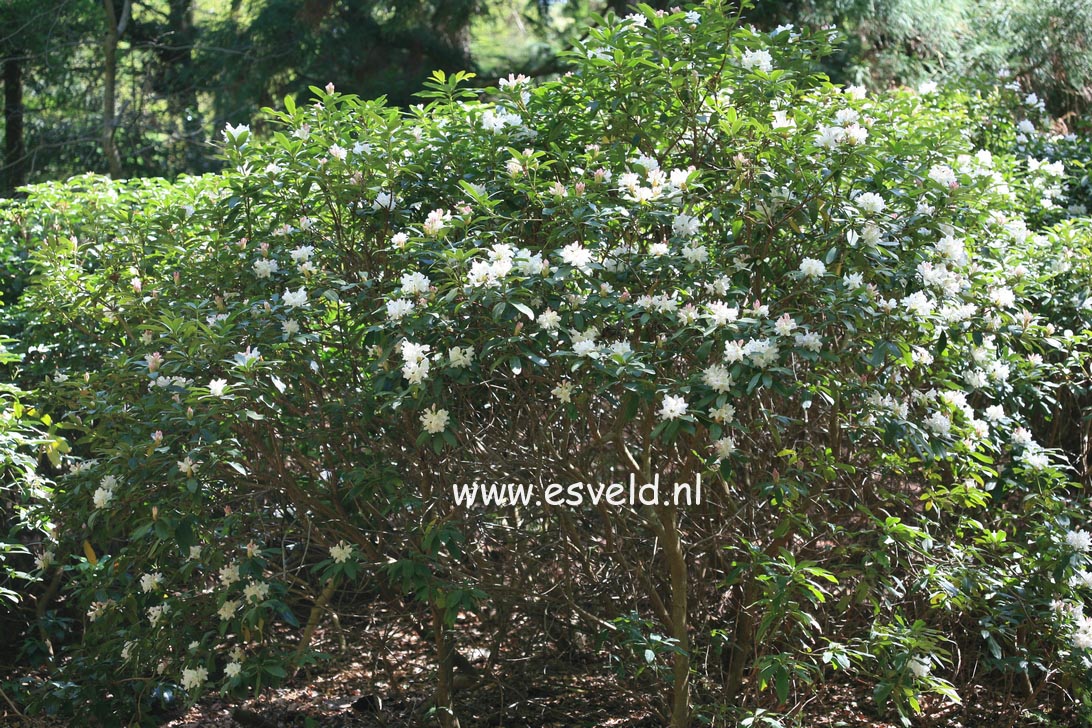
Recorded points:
(524,309)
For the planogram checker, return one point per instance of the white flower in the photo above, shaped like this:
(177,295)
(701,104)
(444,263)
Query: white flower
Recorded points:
(679,178)
(782,120)
(918,304)
(227,609)
(720,314)
(844,117)
(919,665)
(809,340)
(685,226)
(1082,638)
(232,669)
(828,137)
(695,254)
(953,249)
(414,284)
(761,352)
(434,420)
(927,87)
(1002,297)
(460,357)
(994,413)
(576,255)
(149,582)
(384,201)
(717,378)
(1035,458)
(939,423)
(514,80)
(216,387)
(586,347)
(658,249)
(302,254)
(812,268)
(759,59)
(290,327)
(784,325)
(399,308)
(1080,541)
(724,413)
(734,351)
(398,240)
(265,267)
(295,299)
(186,465)
(854,135)
(1082,578)
(416,363)
(724,447)
(548,319)
(563,391)
(101,497)
(688,314)
(233,133)
(943,175)
(194,678)
(229,574)
(256,591)
(870,202)
(621,348)
(975,378)
(436,221)
(672,407)
(341,553)
(1021,437)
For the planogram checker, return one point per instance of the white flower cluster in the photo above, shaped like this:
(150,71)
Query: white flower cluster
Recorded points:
(105,492)
(341,552)
(846,131)
(656,183)
(415,362)
(434,420)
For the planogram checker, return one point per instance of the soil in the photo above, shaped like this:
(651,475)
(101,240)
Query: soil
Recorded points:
(378,676)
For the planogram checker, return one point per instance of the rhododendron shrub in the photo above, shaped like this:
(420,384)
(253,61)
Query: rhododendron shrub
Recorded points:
(691,257)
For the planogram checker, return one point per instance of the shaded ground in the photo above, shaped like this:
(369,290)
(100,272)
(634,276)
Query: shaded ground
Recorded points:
(382,677)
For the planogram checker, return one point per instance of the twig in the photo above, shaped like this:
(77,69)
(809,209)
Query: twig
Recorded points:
(12,704)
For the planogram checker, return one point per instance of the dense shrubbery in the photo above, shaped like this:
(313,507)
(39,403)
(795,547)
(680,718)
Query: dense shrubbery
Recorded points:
(690,257)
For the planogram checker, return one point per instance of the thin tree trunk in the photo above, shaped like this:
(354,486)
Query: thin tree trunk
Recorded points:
(445,707)
(676,562)
(14,144)
(115,27)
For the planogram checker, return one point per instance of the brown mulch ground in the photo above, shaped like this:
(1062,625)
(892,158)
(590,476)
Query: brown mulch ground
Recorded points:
(378,676)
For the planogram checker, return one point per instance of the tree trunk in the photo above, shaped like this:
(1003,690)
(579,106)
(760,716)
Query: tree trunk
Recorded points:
(676,562)
(115,26)
(15,157)
(445,708)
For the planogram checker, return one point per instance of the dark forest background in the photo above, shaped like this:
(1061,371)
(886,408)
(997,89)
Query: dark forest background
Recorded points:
(140,87)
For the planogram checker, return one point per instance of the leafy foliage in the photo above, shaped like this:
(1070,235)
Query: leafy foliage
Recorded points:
(691,261)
